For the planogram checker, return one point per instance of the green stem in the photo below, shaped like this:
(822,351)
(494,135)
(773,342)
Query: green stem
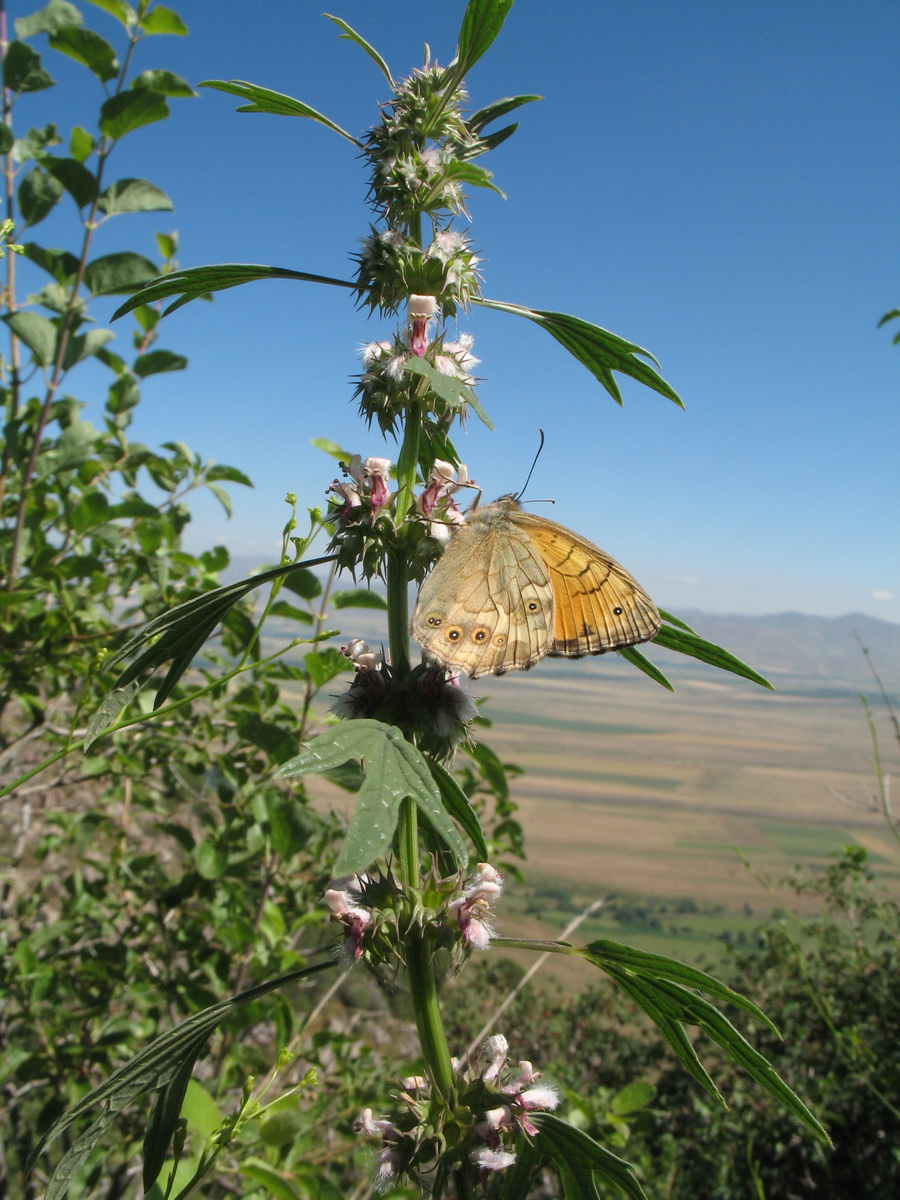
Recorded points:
(423,988)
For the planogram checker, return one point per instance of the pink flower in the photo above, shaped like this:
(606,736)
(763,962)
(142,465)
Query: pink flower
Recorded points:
(420,313)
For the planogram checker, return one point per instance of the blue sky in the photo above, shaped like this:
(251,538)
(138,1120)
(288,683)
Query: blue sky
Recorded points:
(715,181)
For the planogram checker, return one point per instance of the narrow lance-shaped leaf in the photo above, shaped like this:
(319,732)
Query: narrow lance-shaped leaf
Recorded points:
(166,1058)
(482,21)
(180,634)
(196,282)
(685,641)
(580,1158)
(264,100)
(351,35)
(597,349)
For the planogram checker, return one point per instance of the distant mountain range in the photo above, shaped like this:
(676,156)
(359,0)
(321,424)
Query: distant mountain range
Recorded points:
(795,647)
(797,651)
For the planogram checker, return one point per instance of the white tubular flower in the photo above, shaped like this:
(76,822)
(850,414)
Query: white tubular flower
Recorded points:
(387,1170)
(543,1098)
(496,1048)
(492,1160)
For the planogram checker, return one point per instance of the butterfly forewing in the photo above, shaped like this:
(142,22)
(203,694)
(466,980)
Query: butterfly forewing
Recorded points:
(487,606)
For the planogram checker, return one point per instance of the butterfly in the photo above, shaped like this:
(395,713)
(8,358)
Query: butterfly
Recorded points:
(512,587)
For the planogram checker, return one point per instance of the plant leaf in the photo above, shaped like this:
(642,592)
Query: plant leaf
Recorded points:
(685,641)
(167,83)
(578,1155)
(394,769)
(157,361)
(130,110)
(195,282)
(79,182)
(482,21)
(633,655)
(163,20)
(459,807)
(88,48)
(120,272)
(156,1066)
(38,192)
(448,388)
(22,70)
(351,35)
(36,332)
(597,349)
(264,100)
(50,19)
(180,633)
(133,195)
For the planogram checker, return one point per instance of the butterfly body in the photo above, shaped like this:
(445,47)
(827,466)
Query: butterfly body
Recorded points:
(512,587)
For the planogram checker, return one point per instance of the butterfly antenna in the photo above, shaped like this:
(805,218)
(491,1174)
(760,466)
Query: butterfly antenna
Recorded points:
(533,465)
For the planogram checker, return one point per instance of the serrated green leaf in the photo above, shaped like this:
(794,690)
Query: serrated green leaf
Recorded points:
(84,345)
(53,17)
(394,770)
(686,642)
(196,282)
(36,332)
(128,111)
(351,35)
(22,70)
(358,598)
(264,100)
(167,83)
(134,195)
(88,48)
(38,192)
(160,20)
(448,388)
(79,182)
(157,361)
(597,349)
(324,665)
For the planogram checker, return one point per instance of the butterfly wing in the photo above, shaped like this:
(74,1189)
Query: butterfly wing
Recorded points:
(599,606)
(487,607)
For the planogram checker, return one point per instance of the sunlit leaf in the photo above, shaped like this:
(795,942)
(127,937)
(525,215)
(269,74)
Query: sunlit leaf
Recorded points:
(264,100)
(394,769)
(597,349)
(196,282)
(352,36)
(88,48)
(129,110)
(133,195)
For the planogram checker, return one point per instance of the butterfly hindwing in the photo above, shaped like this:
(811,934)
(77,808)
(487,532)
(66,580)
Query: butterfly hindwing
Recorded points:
(511,587)
(599,606)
